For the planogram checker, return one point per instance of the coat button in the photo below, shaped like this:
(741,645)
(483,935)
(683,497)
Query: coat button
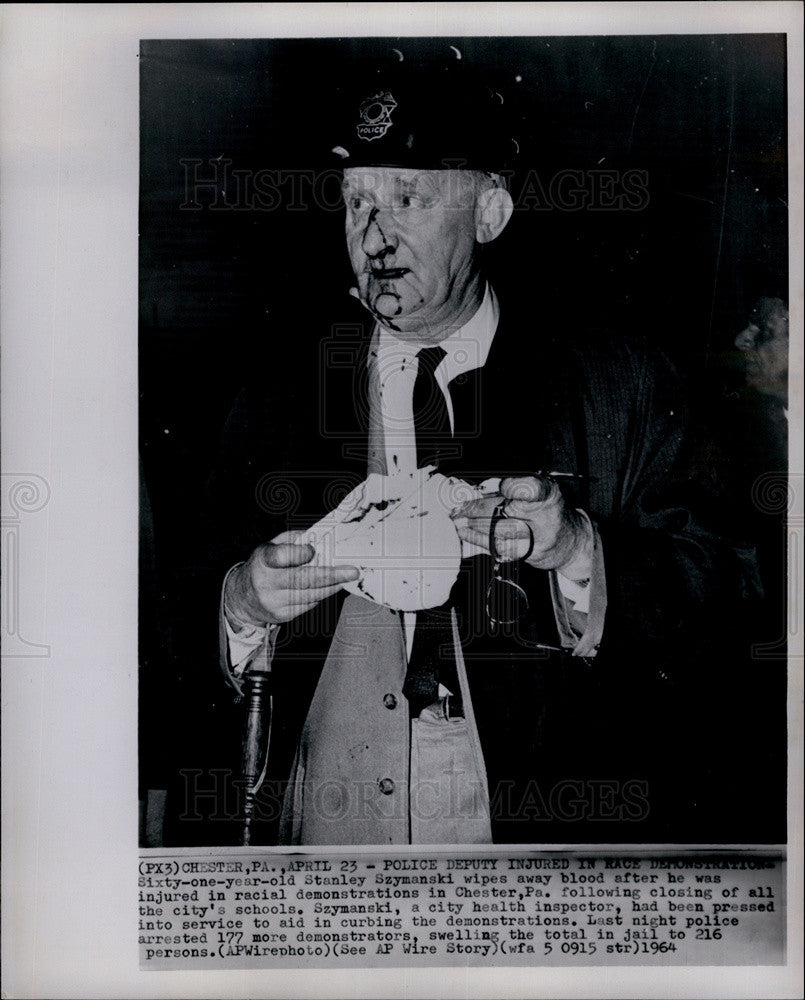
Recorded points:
(386,786)
(389,701)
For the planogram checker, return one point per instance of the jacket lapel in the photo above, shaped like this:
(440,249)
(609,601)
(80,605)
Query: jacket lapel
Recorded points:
(519,414)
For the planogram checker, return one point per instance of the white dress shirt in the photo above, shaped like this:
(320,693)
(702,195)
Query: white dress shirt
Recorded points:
(398,365)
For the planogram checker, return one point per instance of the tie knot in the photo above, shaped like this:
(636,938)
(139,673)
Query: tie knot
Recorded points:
(430,358)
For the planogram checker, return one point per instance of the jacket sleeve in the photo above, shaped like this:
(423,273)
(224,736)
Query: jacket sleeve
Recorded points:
(677,567)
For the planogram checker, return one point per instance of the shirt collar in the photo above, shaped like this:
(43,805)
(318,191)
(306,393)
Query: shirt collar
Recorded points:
(465,349)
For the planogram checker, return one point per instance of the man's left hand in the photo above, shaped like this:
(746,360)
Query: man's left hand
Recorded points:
(562,539)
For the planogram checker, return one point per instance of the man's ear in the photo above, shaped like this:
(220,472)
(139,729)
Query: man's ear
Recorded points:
(493,209)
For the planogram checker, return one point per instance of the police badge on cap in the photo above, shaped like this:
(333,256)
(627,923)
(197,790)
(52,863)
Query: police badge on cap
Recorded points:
(375,114)
(433,115)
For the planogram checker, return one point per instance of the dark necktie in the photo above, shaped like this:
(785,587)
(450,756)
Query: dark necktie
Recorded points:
(431,419)
(433,659)
(432,653)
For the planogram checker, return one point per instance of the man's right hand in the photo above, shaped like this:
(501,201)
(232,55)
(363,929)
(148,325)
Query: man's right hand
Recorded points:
(275,585)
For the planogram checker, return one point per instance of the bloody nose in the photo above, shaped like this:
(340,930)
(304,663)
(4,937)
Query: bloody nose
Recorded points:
(376,242)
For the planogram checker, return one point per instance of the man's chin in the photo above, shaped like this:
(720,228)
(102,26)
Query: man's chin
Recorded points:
(387,305)
(397,311)
(392,309)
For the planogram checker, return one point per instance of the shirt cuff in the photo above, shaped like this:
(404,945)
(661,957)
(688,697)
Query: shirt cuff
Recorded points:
(243,643)
(580,605)
(577,593)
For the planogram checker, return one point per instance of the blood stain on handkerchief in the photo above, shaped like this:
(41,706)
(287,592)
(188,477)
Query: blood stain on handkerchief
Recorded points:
(397,530)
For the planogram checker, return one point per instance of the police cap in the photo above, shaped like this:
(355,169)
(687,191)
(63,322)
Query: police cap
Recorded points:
(428,115)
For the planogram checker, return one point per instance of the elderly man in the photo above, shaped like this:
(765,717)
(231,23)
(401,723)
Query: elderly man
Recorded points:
(588,704)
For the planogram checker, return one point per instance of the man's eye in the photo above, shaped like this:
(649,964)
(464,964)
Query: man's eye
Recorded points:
(410,201)
(357,202)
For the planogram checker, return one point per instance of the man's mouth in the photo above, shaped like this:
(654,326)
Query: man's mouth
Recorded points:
(388,273)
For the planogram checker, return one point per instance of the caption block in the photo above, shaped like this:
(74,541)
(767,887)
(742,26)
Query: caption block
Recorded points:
(248,909)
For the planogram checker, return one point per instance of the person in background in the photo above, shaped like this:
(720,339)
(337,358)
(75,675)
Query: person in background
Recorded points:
(764,345)
(756,436)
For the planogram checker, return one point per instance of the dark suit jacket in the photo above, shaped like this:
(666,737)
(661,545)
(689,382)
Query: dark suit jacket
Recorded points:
(643,742)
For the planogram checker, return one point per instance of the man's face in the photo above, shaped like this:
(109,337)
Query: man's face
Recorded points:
(764,343)
(411,238)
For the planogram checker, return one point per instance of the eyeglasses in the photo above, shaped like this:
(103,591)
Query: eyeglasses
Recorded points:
(506,601)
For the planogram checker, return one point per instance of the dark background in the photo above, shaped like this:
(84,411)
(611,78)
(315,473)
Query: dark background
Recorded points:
(704,116)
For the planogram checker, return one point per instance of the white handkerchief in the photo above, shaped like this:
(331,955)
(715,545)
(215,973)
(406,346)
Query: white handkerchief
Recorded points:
(397,530)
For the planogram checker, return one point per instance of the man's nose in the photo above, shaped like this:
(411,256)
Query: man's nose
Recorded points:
(378,237)
(745,340)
